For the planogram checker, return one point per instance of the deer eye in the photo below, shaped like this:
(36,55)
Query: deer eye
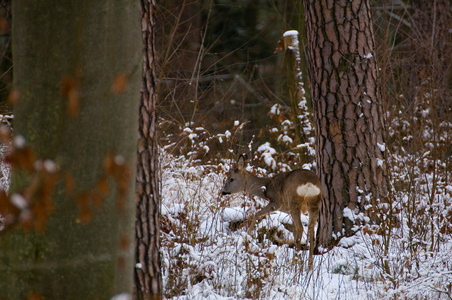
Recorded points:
(231,180)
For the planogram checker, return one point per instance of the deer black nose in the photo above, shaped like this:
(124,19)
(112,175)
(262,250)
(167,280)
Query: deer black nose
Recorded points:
(225,193)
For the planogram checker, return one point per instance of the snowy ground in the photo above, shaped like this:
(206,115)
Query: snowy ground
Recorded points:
(207,253)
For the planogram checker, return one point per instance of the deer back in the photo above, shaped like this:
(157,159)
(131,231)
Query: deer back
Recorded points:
(295,190)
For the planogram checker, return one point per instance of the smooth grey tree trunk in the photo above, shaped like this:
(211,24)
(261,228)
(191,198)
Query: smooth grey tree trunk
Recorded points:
(77,68)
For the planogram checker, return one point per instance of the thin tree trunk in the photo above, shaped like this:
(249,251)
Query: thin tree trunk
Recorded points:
(347,112)
(148,276)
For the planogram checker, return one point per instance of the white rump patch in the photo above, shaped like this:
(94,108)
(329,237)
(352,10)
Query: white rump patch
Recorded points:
(308,190)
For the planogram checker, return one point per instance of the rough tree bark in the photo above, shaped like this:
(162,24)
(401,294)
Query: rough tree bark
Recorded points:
(76,73)
(148,277)
(347,112)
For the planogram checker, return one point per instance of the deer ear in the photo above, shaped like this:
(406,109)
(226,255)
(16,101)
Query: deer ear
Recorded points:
(241,162)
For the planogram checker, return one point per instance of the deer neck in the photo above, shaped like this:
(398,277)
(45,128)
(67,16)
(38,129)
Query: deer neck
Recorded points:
(257,186)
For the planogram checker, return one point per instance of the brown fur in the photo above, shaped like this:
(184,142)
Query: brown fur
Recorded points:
(281,192)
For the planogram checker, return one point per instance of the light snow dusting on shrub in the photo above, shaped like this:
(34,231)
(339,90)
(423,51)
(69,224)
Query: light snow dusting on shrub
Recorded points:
(267,152)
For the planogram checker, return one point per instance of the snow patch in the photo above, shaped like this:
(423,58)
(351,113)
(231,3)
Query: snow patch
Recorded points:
(274,110)
(122,296)
(382,147)
(233,214)
(19,201)
(19,141)
(348,213)
(267,154)
(291,33)
(380,162)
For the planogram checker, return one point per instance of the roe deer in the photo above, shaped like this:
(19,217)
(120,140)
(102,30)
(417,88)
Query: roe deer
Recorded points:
(291,192)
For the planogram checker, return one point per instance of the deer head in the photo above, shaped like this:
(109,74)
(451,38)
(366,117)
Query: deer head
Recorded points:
(236,181)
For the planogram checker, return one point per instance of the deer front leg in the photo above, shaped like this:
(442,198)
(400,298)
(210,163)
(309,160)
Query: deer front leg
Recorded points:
(271,207)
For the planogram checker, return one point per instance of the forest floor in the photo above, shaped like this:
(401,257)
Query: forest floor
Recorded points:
(208,254)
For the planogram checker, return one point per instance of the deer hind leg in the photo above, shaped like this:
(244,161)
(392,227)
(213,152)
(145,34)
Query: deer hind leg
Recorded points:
(298,228)
(313,217)
(271,207)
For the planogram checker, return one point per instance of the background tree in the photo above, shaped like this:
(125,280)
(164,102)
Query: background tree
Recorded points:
(5,52)
(148,276)
(347,112)
(216,65)
(76,80)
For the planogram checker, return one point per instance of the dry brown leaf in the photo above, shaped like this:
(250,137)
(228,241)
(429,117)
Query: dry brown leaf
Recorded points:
(4,27)
(70,92)
(102,186)
(120,83)
(34,296)
(13,97)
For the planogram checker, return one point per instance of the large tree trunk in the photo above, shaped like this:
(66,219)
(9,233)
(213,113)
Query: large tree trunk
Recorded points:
(348,118)
(76,70)
(148,276)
